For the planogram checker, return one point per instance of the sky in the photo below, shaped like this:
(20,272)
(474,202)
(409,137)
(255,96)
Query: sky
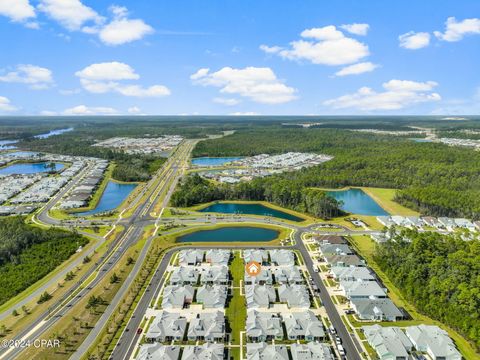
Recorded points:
(225,57)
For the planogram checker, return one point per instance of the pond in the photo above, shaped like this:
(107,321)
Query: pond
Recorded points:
(213,161)
(29,168)
(421,140)
(356,201)
(231,234)
(52,133)
(250,209)
(112,197)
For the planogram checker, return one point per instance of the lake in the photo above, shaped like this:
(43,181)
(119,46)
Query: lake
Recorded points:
(356,201)
(250,209)
(231,234)
(213,161)
(29,168)
(112,197)
(52,133)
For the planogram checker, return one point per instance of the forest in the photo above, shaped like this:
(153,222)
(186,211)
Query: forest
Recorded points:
(28,253)
(432,178)
(195,190)
(439,274)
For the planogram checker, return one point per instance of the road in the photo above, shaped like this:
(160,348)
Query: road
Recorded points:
(126,344)
(132,233)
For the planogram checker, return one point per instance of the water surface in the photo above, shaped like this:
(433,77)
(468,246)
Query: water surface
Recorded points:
(356,201)
(52,133)
(112,197)
(250,209)
(213,161)
(30,168)
(231,234)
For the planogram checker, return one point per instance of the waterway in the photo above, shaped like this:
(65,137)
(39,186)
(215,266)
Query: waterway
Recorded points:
(213,161)
(112,197)
(231,234)
(356,201)
(250,209)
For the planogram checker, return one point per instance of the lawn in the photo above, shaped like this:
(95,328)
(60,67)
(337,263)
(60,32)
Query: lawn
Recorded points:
(236,311)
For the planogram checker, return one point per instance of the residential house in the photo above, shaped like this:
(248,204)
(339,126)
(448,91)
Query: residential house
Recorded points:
(376,309)
(282,257)
(342,273)
(184,275)
(190,257)
(344,260)
(362,289)
(447,223)
(207,327)
(434,341)
(158,351)
(264,277)
(431,221)
(414,222)
(390,343)
(177,297)
(296,296)
(216,274)
(259,256)
(212,296)
(167,326)
(263,351)
(336,249)
(259,296)
(207,351)
(464,224)
(263,326)
(311,351)
(303,326)
(287,275)
(385,220)
(218,256)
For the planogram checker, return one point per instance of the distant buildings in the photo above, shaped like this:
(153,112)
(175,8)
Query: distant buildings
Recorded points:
(145,146)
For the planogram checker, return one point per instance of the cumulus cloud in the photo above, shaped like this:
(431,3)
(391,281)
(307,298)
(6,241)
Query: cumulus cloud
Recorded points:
(413,41)
(226,101)
(356,69)
(5,105)
(17,10)
(356,29)
(109,76)
(122,30)
(35,77)
(326,46)
(456,30)
(257,84)
(86,110)
(71,14)
(397,94)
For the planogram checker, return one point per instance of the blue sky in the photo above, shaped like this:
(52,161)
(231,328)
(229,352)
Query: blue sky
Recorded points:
(80,57)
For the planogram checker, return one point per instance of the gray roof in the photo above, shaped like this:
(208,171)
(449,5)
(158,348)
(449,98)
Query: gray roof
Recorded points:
(388,342)
(344,260)
(336,249)
(265,276)
(379,309)
(282,257)
(217,274)
(175,296)
(167,324)
(210,326)
(352,273)
(434,341)
(263,324)
(259,296)
(207,351)
(311,351)
(212,296)
(158,351)
(362,289)
(287,274)
(263,351)
(303,325)
(217,256)
(259,256)
(296,296)
(190,257)
(184,274)
(330,239)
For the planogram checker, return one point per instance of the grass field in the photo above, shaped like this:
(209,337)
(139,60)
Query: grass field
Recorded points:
(365,247)
(236,311)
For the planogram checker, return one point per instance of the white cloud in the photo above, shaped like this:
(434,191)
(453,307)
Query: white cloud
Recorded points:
(86,110)
(413,40)
(257,84)
(246,113)
(5,105)
(357,29)
(134,110)
(36,77)
(398,94)
(122,30)
(105,77)
(356,69)
(48,113)
(226,101)
(325,46)
(17,10)
(456,30)
(71,14)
